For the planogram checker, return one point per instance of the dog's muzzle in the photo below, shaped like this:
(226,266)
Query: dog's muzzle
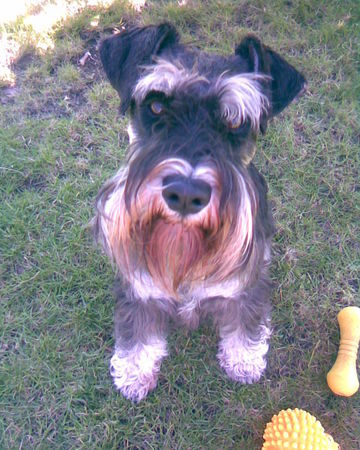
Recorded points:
(185,195)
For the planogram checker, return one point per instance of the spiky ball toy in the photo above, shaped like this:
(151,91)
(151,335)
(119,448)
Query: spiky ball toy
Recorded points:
(296,429)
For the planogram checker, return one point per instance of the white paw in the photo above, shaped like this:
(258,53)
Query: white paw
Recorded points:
(243,359)
(243,371)
(135,372)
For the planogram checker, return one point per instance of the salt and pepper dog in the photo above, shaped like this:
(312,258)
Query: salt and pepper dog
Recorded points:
(186,220)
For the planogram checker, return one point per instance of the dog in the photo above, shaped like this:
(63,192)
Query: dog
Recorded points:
(186,221)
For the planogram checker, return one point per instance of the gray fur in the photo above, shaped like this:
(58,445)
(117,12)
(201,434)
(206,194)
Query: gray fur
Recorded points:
(208,112)
(135,320)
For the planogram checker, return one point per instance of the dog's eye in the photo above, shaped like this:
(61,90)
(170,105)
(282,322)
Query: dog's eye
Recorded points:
(235,123)
(157,107)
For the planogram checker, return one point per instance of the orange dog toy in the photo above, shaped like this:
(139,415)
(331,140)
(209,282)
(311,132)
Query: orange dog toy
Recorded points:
(342,378)
(296,429)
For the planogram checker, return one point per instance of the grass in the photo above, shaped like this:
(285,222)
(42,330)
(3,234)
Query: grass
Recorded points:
(61,137)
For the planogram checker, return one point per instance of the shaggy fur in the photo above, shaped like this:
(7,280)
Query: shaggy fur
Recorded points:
(186,220)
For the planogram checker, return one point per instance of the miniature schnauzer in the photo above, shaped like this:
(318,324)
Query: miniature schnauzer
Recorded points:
(186,221)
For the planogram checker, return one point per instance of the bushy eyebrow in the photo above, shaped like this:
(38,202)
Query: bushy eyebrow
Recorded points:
(240,96)
(165,76)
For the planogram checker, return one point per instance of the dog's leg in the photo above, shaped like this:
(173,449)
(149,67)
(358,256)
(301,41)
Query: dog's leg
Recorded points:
(244,326)
(241,356)
(140,346)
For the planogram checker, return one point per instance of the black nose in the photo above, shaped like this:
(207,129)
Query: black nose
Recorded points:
(185,195)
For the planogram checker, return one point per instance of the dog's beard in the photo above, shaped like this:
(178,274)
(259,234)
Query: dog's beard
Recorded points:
(176,251)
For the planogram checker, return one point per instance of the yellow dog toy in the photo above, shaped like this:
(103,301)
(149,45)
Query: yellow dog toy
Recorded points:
(342,378)
(296,429)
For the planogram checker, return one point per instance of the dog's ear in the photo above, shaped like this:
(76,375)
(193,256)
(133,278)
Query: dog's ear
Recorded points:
(123,55)
(285,81)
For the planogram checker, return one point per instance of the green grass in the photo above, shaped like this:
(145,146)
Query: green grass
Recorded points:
(61,137)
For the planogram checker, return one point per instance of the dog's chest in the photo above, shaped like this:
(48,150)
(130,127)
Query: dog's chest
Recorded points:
(188,298)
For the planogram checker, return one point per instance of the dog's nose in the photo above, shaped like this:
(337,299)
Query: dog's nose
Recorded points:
(185,195)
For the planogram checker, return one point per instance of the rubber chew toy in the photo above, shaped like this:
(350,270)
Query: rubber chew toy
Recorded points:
(296,429)
(342,378)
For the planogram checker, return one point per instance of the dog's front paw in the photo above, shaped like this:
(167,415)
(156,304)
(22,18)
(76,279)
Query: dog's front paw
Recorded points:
(135,372)
(133,383)
(240,370)
(244,360)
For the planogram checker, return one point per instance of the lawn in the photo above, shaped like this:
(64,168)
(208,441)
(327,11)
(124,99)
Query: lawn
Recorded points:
(61,137)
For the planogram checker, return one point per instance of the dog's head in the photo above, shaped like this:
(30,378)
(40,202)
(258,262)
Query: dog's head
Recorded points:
(184,209)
